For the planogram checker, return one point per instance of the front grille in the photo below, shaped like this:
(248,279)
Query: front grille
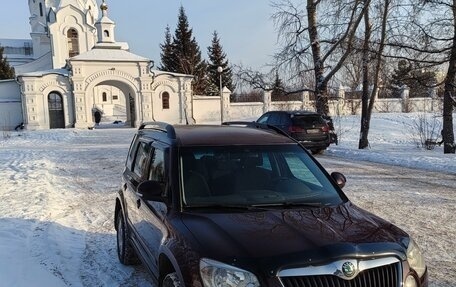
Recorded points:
(384,276)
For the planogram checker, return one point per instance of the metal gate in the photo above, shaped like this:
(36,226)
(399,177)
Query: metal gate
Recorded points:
(56,115)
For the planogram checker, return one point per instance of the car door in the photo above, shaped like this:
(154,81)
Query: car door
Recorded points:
(150,226)
(134,174)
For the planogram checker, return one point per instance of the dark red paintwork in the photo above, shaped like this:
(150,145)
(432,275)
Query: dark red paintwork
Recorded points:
(168,236)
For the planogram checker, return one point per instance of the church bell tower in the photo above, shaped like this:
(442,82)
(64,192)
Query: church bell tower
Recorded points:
(105,26)
(62,28)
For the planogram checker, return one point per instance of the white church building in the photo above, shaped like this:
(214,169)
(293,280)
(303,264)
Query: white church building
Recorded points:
(73,67)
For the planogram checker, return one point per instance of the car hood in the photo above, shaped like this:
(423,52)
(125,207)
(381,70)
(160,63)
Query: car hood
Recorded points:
(276,239)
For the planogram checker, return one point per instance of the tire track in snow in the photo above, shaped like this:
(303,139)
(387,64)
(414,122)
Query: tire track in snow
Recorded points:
(423,203)
(96,198)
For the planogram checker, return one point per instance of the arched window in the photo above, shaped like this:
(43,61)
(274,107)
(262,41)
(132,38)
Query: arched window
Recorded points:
(165,100)
(73,43)
(106,33)
(55,102)
(105,97)
(41,9)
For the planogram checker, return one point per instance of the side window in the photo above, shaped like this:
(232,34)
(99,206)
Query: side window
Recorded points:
(157,166)
(139,166)
(274,119)
(263,119)
(284,119)
(132,152)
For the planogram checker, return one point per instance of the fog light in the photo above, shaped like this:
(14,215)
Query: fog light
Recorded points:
(410,282)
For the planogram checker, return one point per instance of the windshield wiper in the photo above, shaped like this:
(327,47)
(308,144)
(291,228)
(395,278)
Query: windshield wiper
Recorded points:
(224,206)
(289,204)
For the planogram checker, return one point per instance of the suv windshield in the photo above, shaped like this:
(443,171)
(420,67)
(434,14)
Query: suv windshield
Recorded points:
(253,176)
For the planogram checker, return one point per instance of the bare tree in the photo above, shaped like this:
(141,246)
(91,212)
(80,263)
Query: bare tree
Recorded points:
(369,95)
(317,39)
(436,28)
(449,98)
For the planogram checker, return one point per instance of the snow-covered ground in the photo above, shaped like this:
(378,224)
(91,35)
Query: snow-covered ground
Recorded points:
(58,188)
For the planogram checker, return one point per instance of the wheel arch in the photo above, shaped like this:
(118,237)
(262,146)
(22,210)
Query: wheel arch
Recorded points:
(117,209)
(168,264)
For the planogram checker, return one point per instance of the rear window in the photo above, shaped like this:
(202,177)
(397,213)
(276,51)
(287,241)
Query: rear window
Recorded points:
(307,121)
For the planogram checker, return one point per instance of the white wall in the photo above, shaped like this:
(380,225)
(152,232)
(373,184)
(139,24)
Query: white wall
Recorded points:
(206,109)
(245,111)
(10,105)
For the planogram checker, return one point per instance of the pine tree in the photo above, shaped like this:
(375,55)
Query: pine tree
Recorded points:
(278,89)
(187,54)
(167,55)
(418,80)
(6,71)
(217,58)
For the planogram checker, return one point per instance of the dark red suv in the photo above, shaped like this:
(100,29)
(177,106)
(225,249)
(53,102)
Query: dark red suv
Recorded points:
(247,206)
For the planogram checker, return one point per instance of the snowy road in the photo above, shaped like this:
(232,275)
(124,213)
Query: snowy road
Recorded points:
(423,203)
(57,200)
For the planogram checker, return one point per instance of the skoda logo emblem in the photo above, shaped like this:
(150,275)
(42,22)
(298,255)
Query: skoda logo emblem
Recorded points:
(348,269)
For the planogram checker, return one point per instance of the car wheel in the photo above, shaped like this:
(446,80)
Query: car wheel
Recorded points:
(125,251)
(171,280)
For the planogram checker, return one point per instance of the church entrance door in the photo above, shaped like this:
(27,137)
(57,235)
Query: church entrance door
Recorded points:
(56,115)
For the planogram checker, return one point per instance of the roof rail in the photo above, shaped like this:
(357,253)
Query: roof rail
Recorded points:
(160,126)
(240,123)
(257,126)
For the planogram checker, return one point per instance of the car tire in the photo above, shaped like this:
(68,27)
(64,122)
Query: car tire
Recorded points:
(171,280)
(125,251)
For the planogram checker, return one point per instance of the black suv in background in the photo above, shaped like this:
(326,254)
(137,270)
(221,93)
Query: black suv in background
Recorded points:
(309,128)
(208,206)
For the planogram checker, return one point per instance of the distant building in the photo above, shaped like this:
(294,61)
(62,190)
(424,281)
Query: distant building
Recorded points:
(73,66)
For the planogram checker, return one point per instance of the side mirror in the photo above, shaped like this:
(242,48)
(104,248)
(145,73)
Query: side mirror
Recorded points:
(151,190)
(339,179)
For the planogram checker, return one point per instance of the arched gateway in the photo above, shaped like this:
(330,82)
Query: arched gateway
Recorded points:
(81,79)
(117,94)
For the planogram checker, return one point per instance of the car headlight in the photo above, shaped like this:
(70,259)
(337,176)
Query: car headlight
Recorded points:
(217,274)
(415,258)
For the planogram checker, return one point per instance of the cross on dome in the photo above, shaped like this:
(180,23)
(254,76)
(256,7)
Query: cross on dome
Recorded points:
(104,8)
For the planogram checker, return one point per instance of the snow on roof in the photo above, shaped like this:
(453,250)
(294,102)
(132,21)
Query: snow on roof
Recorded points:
(63,72)
(99,53)
(158,73)
(43,63)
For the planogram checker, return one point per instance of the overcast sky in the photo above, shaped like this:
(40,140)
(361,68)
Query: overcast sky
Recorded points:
(244,26)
